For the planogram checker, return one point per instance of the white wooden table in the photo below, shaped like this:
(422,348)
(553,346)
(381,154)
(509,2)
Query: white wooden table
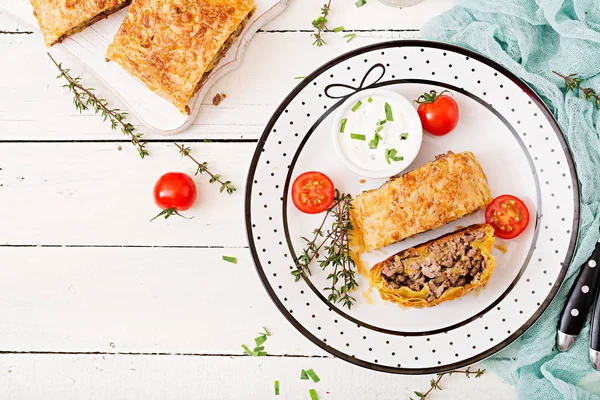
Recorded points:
(98,303)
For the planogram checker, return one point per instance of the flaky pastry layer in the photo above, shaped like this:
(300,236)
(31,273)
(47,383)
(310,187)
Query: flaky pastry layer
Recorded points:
(171,45)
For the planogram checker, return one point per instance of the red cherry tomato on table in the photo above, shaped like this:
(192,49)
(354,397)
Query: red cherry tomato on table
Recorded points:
(508,215)
(174,192)
(312,192)
(438,112)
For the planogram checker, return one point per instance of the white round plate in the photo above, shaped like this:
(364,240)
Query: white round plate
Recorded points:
(522,152)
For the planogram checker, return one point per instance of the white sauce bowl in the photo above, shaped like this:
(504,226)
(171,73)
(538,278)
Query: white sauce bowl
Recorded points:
(356,154)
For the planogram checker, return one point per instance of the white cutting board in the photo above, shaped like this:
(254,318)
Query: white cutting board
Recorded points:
(156,113)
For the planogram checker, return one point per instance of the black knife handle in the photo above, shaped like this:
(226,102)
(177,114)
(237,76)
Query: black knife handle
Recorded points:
(582,295)
(595,328)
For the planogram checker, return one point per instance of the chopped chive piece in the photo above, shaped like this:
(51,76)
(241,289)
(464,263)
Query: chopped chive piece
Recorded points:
(357,106)
(374,142)
(260,340)
(370,99)
(397,158)
(312,375)
(390,155)
(276,388)
(259,350)
(403,136)
(350,36)
(357,136)
(246,350)
(381,122)
(232,260)
(313,392)
(299,77)
(388,112)
(379,128)
(338,29)
(360,3)
(303,375)
(343,125)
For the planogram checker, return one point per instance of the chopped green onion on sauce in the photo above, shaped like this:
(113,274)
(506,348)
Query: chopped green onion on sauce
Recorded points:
(358,136)
(313,394)
(338,29)
(360,3)
(375,141)
(390,155)
(357,106)
(388,112)
(403,136)
(343,125)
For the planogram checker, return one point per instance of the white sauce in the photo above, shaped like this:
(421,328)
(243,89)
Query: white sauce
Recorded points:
(364,121)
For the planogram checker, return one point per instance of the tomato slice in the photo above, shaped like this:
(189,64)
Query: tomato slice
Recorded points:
(312,192)
(508,215)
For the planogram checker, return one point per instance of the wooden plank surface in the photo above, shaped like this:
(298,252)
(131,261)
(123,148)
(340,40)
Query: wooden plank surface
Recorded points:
(95,194)
(90,291)
(183,377)
(138,300)
(373,16)
(253,91)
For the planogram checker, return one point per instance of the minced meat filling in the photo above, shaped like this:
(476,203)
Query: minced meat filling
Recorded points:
(448,264)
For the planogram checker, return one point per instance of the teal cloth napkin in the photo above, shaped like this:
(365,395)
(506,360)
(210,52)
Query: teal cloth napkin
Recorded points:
(531,38)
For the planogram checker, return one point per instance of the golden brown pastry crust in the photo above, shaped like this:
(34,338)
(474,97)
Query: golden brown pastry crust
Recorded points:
(410,298)
(428,197)
(170,44)
(61,18)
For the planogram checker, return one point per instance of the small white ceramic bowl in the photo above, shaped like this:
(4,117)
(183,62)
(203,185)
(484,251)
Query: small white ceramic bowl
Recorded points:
(411,119)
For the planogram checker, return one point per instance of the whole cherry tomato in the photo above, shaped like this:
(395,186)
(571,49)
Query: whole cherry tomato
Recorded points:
(438,112)
(174,192)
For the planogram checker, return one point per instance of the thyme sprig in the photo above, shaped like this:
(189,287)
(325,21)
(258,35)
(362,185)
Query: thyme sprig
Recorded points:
(572,82)
(84,99)
(202,167)
(435,383)
(320,24)
(335,245)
